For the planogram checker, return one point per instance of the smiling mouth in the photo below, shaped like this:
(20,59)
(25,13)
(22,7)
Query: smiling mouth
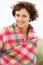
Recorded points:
(21,23)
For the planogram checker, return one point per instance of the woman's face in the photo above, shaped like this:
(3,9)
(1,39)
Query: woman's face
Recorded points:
(22,18)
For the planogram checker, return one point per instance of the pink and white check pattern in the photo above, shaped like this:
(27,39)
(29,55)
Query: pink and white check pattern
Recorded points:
(14,50)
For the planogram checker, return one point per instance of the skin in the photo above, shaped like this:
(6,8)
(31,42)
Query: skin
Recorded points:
(22,18)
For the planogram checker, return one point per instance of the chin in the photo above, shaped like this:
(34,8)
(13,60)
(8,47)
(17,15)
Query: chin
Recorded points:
(20,26)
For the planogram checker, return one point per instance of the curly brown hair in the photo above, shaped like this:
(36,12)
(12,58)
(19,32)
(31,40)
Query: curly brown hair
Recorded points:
(30,7)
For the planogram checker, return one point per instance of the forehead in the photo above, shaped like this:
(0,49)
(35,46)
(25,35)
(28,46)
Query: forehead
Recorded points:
(22,11)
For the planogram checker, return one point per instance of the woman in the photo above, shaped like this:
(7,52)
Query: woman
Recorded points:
(18,42)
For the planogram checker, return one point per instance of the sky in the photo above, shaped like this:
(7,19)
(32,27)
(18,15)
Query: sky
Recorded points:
(6,17)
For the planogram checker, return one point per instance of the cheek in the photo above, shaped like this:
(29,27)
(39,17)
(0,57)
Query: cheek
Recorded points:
(16,19)
(26,20)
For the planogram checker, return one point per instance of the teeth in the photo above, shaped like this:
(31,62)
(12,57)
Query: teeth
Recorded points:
(22,23)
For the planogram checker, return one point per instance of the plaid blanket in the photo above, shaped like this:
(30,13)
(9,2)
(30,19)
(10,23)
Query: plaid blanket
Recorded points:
(14,50)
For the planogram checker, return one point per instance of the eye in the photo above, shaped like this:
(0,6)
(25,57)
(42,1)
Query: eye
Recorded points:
(17,15)
(24,15)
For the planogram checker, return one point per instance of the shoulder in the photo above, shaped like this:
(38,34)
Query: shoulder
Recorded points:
(32,30)
(32,34)
(6,32)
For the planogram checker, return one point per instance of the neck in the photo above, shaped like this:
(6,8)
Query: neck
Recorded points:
(24,30)
(25,34)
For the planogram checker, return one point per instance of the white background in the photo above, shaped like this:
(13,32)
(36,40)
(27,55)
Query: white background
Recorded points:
(6,17)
